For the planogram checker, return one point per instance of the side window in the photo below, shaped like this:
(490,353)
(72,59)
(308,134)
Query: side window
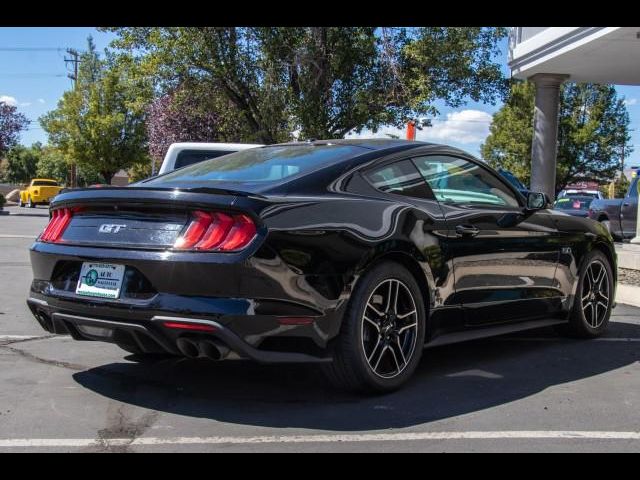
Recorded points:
(401,178)
(458,181)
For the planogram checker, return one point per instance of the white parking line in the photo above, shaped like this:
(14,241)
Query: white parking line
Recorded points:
(560,339)
(16,337)
(371,437)
(6,235)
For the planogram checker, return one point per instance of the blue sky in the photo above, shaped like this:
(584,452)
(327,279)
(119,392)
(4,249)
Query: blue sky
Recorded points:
(35,81)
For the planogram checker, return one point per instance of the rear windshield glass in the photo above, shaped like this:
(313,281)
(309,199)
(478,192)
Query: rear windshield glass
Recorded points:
(45,183)
(190,157)
(263,164)
(573,203)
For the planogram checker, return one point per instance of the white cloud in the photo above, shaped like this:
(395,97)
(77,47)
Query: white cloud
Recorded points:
(8,100)
(631,101)
(24,104)
(463,127)
(41,100)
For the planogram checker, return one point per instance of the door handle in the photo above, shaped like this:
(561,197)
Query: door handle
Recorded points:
(467,230)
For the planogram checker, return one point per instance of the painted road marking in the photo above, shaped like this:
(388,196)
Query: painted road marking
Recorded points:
(6,235)
(560,339)
(367,437)
(17,337)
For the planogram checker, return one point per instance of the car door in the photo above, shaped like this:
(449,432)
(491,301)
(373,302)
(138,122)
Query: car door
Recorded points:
(426,228)
(504,259)
(629,213)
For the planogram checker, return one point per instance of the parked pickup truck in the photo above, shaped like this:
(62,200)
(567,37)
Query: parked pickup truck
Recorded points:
(618,215)
(39,192)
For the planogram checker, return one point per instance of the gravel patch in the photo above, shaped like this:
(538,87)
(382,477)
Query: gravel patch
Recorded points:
(629,276)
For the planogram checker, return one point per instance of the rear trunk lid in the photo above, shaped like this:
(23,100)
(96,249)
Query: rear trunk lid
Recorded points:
(139,218)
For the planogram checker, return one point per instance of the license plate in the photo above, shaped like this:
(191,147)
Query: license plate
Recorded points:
(102,280)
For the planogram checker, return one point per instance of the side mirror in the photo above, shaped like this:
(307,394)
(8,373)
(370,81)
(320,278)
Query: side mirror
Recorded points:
(537,201)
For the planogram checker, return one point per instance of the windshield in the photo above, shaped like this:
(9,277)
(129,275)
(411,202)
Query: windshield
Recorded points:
(264,164)
(573,203)
(44,183)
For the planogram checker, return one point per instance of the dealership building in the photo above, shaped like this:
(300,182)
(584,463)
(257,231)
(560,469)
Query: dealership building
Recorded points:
(548,56)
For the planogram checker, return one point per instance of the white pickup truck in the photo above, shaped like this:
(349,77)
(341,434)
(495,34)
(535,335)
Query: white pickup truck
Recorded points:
(187,153)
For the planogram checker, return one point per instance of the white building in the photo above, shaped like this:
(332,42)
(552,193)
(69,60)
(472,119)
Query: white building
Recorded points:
(549,56)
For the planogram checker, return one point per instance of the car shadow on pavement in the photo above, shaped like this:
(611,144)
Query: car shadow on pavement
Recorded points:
(450,381)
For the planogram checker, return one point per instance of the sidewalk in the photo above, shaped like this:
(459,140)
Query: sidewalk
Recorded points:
(628,255)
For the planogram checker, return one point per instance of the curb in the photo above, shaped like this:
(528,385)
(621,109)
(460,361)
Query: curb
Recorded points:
(628,294)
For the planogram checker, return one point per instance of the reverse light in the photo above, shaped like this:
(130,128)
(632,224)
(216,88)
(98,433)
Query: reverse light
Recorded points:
(60,219)
(216,231)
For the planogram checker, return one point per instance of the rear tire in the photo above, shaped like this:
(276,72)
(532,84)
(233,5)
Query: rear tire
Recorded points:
(30,203)
(382,333)
(592,305)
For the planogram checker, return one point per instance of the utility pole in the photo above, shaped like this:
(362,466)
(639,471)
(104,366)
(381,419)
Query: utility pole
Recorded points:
(74,57)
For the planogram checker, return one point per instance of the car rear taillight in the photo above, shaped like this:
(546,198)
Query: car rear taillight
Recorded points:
(216,231)
(60,219)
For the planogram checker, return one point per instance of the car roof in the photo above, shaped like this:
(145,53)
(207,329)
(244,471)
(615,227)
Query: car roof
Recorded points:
(370,143)
(209,146)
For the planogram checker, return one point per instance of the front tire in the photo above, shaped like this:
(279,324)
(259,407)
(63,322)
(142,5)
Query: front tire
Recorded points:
(594,297)
(382,334)
(30,203)
(20,202)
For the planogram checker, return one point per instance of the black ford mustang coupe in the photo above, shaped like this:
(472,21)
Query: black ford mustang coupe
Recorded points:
(354,254)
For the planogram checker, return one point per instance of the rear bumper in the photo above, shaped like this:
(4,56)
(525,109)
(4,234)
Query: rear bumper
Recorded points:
(259,308)
(146,331)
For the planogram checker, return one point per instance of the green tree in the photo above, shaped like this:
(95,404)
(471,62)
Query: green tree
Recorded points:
(11,124)
(323,81)
(593,128)
(100,124)
(53,164)
(22,163)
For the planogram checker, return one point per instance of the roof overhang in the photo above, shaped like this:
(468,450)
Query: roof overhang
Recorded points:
(586,54)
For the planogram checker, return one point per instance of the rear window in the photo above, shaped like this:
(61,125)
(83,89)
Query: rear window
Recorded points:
(574,203)
(44,183)
(190,157)
(263,164)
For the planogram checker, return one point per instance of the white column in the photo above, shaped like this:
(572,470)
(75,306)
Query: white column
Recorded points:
(545,132)
(636,239)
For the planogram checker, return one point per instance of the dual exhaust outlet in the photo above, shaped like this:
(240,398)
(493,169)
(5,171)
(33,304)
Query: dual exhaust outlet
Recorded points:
(211,349)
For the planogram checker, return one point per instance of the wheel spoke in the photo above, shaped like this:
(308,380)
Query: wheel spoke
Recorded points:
(404,360)
(406,327)
(395,359)
(374,324)
(384,349)
(375,310)
(405,315)
(584,310)
(392,296)
(375,349)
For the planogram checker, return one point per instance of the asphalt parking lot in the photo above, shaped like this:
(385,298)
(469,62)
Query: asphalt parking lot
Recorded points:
(526,392)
